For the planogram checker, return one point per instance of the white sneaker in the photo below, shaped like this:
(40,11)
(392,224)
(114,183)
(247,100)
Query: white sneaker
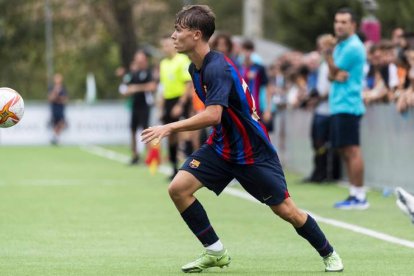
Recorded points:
(333,263)
(405,201)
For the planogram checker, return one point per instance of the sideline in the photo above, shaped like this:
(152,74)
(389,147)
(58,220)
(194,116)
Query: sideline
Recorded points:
(112,155)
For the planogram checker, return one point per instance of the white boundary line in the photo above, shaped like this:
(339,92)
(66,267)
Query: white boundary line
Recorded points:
(112,155)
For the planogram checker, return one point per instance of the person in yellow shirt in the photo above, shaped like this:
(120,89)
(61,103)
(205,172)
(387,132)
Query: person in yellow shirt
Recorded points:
(177,89)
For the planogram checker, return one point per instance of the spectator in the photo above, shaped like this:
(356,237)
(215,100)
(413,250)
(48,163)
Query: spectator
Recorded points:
(177,90)
(222,42)
(406,96)
(137,84)
(255,76)
(383,73)
(58,98)
(326,165)
(346,70)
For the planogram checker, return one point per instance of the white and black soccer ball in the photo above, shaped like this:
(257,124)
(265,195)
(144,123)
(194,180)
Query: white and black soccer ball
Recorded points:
(11,107)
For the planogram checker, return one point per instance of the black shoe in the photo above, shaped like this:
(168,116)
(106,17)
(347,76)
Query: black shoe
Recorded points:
(134,161)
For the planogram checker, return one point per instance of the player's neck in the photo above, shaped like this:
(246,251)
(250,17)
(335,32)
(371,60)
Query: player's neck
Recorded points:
(197,56)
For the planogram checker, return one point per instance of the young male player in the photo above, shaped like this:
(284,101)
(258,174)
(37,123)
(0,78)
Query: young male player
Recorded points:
(238,147)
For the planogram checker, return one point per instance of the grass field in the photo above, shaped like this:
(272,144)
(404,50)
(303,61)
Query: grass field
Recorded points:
(65,211)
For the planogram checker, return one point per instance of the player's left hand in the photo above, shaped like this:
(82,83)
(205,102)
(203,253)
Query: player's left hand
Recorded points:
(155,134)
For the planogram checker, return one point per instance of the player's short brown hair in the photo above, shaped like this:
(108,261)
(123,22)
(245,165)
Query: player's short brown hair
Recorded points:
(197,17)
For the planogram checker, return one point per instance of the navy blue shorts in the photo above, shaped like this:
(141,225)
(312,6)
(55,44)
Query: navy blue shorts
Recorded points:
(320,131)
(345,130)
(263,180)
(58,116)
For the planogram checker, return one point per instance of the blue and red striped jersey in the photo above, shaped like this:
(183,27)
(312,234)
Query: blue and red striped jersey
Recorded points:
(240,137)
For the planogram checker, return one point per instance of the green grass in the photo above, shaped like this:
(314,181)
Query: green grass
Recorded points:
(64,211)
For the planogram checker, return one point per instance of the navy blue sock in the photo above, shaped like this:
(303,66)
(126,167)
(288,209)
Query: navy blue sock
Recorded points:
(314,235)
(196,218)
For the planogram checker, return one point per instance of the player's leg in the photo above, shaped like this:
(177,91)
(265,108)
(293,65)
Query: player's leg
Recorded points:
(266,182)
(307,228)
(197,170)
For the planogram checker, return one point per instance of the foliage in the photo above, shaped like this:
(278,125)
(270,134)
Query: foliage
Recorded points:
(100,35)
(298,23)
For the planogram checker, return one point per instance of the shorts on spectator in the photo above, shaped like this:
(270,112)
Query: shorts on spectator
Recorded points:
(345,130)
(168,107)
(140,118)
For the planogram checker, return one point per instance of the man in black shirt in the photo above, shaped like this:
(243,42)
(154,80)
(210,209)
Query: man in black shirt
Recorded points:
(138,84)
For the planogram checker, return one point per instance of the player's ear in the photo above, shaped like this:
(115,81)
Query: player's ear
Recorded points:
(197,35)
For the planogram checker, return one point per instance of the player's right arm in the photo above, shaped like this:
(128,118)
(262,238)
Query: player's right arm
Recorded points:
(209,117)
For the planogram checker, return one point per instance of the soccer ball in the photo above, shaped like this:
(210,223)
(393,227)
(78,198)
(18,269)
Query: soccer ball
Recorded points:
(11,107)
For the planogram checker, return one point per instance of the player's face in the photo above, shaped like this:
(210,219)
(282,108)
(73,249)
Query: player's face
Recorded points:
(343,25)
(184,39)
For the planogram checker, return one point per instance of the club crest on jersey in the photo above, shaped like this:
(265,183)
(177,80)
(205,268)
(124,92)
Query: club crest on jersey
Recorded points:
(194,164)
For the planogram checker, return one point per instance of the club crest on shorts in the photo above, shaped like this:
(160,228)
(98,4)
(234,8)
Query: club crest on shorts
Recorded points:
(194,164)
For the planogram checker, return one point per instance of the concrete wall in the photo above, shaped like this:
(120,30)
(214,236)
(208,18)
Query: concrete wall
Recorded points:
(387,140)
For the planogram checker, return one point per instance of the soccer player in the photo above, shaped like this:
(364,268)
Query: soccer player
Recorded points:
(346,69)
(238,147)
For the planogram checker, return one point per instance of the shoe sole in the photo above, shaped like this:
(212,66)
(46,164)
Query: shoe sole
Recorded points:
(353,207)
(199,270)
(340,270)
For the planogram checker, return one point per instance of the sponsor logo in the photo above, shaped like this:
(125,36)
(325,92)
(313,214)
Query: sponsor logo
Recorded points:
(194,164)
(267,198)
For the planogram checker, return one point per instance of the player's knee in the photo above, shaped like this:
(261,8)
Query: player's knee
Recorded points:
(173,191)
(176,190)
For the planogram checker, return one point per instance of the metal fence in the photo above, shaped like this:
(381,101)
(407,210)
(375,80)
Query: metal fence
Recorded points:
(387,140)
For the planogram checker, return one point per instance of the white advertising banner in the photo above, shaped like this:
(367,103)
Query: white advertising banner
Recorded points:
(100,123)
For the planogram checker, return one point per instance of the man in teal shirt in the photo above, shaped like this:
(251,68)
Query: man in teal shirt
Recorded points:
(346,63)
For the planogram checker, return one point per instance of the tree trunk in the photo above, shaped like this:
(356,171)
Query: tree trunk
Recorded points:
(122,11)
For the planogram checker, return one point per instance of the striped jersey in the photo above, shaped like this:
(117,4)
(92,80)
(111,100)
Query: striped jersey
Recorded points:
(241,137)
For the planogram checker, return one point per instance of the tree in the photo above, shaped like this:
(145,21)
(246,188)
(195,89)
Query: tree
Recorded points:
(298,23)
